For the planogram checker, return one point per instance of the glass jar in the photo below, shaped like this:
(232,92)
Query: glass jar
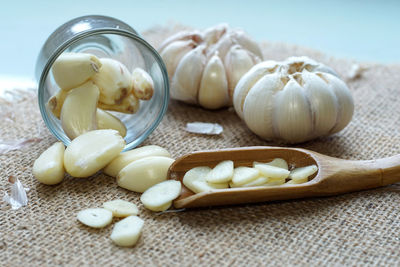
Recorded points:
(105,37)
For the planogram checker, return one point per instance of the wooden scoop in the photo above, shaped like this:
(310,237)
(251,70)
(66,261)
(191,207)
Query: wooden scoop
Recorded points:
(334,176)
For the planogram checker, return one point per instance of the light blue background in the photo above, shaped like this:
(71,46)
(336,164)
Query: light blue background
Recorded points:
(361,30)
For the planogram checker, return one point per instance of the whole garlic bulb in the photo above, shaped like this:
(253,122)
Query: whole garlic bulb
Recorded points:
(204,67)
(293,101)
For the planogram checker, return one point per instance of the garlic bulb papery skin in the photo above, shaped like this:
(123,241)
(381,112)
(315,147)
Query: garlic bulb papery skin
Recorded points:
(293,101)
(205,66)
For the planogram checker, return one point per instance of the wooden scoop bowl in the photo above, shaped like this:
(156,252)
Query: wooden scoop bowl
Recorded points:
(334,176)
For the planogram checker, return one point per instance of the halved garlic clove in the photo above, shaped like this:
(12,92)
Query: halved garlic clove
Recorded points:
(194,174)
(237,62)
(280,163)
(274,182)
(143,85)
(271,171)
(48,168)
(95,217)
(125,158)
(127,231)
(129,104)
(114,82)
(90,152)
(56,102)
(121,208)
(158,196)
(78,113)
(302,173)
(300,181)
(186,80)
(174,52)
(199,186)
(73,69)
(213,91)
(244,175)
(221,173)
(143,173)
(257,182)
(106,120)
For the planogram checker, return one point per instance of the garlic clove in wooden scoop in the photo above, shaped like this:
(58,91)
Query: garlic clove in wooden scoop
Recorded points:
(294,101)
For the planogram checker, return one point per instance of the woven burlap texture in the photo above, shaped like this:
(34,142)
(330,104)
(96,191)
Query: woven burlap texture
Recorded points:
(357,229)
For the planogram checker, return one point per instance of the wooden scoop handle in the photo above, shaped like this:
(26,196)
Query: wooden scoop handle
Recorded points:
(342,176)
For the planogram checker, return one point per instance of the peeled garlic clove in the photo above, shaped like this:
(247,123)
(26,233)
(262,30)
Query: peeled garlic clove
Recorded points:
(181,36)
(73,69)
(303,172)
(56,102)
(106,120)
(237,62)
(129,104)
(221,173)
(121,208)
(78,113)
(143,86)
(244,175)
(95,217)
(213,92)
(186,80)
(158,196)
(257,182)
(90,152)
(174,52)
(247,43)
(143,173)
(199,186)
(124,158)
(48,168)
(127,231)
(271,171)
(114,81)
(248,80)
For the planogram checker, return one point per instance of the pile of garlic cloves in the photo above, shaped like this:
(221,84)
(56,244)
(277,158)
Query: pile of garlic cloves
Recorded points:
(90,87)
(205,66)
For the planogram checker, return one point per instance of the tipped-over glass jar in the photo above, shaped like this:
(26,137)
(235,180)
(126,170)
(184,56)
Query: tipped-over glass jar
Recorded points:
(104,37)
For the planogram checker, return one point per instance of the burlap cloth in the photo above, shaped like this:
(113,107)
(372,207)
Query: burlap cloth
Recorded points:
(357,229)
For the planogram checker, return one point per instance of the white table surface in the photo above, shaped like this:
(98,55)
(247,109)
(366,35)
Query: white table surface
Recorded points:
(361,30)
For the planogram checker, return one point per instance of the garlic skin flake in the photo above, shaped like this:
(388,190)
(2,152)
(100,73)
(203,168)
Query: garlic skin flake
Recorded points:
(204,67)
(293,101)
